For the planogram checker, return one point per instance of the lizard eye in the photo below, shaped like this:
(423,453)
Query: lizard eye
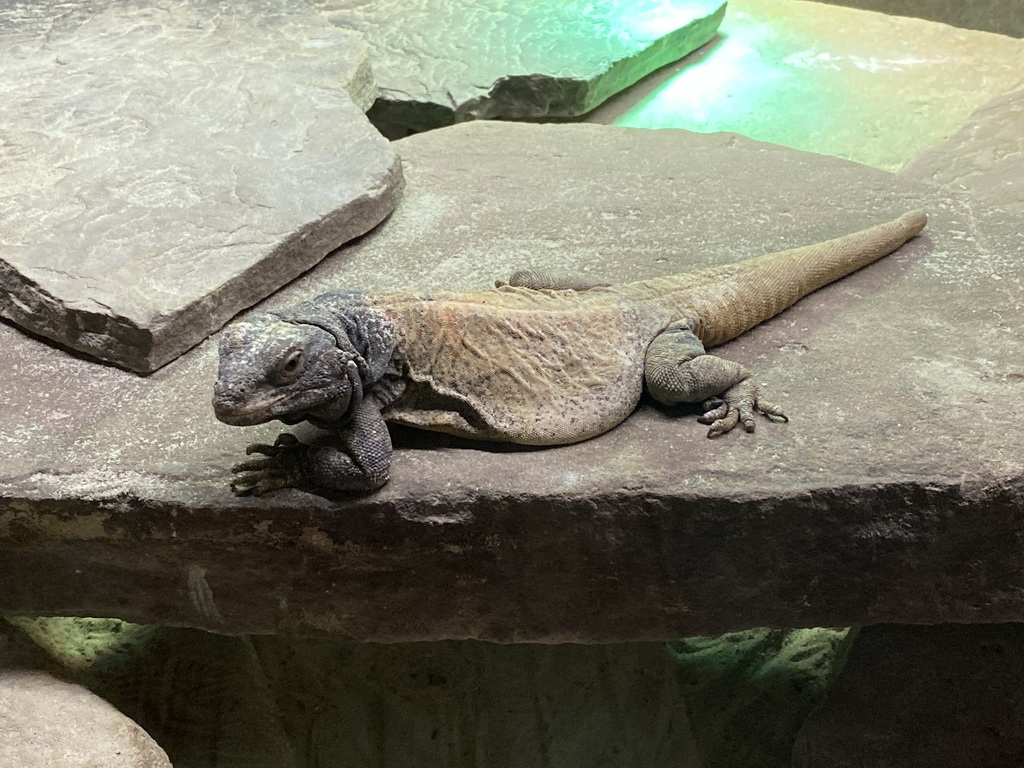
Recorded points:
(290,366)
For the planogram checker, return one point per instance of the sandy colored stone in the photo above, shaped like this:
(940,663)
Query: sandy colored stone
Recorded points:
(166,167)
(444,61)
(46,722)
(855,84)
(922,697)
(985,157)
(893,494)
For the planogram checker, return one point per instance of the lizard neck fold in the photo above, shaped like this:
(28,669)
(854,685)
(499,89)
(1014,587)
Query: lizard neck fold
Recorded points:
(362,332)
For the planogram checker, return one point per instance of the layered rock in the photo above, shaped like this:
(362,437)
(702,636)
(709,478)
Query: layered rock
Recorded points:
(894,493)
(166,167)
(445,61)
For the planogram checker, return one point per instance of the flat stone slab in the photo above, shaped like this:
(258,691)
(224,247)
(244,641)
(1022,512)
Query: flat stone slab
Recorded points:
(985,157)
(839,81)
(919,697)
(894,493)
(445,61)
(166,167)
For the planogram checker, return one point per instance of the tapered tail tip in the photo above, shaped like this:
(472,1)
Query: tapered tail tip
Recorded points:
(913,222)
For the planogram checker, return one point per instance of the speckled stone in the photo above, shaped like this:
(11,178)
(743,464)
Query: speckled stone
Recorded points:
(444,61)
(46,722)
(985,157)
(167,166)
(895,492)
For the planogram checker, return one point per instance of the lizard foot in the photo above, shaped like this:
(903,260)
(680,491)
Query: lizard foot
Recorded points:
(738,404)
(281,467)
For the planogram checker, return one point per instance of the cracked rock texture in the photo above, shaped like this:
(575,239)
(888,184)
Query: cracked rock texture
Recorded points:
(167,166)
(444,61)
(895,492)
(985,157)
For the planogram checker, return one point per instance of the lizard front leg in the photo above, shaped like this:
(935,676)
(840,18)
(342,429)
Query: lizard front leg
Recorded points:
(355,458)
(678,369)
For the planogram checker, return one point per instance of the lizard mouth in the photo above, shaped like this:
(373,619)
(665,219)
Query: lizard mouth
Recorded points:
(246,416)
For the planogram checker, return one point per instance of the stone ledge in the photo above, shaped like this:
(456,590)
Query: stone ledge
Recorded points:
(440,62)
(171,166)
(894,494)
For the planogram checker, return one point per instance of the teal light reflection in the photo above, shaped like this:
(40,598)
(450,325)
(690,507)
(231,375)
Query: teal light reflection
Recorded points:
(717,92)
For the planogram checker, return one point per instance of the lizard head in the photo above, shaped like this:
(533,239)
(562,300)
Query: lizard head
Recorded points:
(272,368)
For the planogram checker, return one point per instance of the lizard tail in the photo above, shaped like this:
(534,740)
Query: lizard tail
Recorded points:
(726,301)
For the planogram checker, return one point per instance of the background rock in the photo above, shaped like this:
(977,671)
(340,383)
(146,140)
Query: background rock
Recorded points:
(1003,16)
(915,697)
(838,81)
(166,167)
(269,702)
(444,61)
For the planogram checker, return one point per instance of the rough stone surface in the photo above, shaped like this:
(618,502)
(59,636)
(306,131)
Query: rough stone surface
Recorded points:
(915,697)
(894,494)
(165,167)
(46,722)
(444,61)
(985,157)
(839,81)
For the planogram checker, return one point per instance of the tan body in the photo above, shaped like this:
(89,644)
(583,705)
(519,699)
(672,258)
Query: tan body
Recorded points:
(543,366)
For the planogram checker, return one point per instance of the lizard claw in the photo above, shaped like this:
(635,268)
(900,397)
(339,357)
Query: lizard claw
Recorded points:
(281,467)
(738,405)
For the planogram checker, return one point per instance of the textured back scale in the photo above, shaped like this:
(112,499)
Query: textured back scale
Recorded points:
(517,365)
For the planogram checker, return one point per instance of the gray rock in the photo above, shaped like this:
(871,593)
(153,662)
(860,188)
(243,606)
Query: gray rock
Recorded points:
(444,61)
(1003,16)
(985,157)
(166,167)
(893,494)
(922,697)
(46,722)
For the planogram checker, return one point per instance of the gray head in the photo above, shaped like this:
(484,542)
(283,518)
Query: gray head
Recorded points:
(275,369)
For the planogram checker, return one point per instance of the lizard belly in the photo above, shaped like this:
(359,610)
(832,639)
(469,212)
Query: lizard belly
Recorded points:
(520,366)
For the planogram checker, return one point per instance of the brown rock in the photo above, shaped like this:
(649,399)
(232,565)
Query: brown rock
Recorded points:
(166,167)
(894,493)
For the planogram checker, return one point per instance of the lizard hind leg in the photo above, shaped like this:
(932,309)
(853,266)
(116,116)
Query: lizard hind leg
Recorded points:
(543,279)
(677,369)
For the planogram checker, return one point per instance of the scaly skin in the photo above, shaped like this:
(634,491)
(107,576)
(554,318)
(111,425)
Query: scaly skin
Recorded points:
(546,359)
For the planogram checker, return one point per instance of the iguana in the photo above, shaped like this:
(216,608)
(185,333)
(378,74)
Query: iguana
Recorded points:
(545,359)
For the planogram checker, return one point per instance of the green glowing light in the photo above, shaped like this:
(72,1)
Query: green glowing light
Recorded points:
(717,91)
(658,18)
